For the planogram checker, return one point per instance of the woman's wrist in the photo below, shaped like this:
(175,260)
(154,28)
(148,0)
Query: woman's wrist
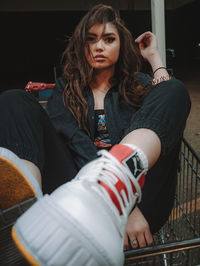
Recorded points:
(155,61)
(159,75)
(160,72)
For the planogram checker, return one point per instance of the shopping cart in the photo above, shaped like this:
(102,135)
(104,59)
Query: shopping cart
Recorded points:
(178,242)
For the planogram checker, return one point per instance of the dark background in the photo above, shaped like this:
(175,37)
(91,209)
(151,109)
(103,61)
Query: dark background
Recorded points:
(32,42)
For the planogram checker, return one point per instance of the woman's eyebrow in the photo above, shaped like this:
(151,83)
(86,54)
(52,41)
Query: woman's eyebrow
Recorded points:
(108,34)
(104,35)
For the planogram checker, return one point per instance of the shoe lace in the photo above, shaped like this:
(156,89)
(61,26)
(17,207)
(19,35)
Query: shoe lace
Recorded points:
(108,170)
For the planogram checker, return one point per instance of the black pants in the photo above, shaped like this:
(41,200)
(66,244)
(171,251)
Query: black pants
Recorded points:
(26,130)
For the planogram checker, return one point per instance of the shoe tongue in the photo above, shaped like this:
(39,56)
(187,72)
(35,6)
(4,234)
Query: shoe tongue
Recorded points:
(122,153)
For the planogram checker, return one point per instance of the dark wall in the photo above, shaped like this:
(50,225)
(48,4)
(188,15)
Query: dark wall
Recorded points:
(32,42)
(182,31)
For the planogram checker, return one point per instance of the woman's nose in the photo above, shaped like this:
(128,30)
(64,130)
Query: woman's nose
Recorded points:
(99,45)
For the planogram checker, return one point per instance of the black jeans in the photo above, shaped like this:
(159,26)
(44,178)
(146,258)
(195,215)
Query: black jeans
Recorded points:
(26,130)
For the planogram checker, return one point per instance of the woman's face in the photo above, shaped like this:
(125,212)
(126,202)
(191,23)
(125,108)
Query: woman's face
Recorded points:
(104,46)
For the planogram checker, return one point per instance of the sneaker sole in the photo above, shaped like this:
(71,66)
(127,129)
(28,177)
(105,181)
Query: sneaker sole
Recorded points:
(16,182)
(22,250)
(45,235)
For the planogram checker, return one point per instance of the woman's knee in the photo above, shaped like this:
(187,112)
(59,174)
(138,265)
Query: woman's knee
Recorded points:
(13,93)
(173,91)
(12,99)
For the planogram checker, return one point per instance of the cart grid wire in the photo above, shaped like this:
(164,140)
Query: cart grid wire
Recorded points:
(178,242)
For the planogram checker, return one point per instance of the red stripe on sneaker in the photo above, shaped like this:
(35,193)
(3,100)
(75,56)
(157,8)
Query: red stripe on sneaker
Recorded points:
(112,195)
(141,180)
(121,186)
(121,152)
(133,187)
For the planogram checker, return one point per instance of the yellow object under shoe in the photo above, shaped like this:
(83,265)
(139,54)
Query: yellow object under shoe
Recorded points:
(16,182)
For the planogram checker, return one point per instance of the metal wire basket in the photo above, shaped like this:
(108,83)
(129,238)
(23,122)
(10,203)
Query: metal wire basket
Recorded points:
(178,242)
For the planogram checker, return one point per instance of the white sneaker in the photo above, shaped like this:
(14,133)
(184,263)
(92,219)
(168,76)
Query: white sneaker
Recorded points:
(83,221)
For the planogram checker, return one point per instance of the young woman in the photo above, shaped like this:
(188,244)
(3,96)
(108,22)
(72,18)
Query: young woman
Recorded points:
(102,99)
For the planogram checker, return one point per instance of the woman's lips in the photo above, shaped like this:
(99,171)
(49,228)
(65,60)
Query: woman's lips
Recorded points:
(99,58)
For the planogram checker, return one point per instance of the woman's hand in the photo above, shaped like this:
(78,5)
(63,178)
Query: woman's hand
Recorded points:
(137,230)
(149,50)
(147,44)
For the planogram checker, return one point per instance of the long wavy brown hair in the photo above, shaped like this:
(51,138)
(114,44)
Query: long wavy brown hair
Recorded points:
(78,73)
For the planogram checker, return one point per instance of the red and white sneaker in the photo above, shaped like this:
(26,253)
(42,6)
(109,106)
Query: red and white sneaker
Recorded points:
(83,221)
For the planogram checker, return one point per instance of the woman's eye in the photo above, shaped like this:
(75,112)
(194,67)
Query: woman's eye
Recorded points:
(90,39)
(110,39)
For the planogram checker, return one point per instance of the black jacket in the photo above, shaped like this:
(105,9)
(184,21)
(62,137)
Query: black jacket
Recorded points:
(164,110)
(118,115)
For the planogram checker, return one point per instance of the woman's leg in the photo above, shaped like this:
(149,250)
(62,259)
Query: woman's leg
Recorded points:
(34,170)
(147,140)
(27,131)
(157,128)
(29,149)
